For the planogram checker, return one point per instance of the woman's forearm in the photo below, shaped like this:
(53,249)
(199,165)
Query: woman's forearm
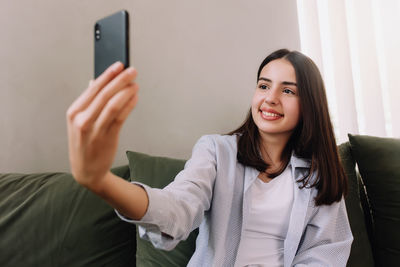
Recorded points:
(129,199)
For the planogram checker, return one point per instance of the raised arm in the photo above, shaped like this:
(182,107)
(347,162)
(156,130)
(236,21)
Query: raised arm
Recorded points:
(94,121)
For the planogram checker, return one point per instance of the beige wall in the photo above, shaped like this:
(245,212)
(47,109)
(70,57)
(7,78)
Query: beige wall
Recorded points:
(197,63)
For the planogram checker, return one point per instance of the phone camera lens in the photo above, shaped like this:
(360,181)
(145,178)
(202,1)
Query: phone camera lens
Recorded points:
(97,31)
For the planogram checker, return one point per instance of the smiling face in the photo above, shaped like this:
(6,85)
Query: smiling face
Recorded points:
(276,105)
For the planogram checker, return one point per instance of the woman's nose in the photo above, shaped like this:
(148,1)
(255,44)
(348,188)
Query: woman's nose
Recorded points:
(272,97)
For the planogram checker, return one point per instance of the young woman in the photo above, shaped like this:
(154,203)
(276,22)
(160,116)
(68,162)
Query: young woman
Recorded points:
(268,194)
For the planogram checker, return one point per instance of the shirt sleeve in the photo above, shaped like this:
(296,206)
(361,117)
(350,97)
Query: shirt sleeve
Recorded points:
(177,209)
(327,238)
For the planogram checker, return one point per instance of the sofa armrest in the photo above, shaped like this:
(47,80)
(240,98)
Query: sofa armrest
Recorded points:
(47,219)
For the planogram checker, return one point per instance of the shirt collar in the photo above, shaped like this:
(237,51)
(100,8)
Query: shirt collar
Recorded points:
(298,162)
(295,162)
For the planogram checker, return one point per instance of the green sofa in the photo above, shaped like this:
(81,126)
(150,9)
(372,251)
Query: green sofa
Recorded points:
(47,219)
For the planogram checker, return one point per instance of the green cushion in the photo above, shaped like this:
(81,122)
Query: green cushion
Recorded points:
(158,172)
(361,253)
(378,161)
(47,219)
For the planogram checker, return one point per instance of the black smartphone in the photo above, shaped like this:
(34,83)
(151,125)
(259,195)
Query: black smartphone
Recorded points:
(111,41)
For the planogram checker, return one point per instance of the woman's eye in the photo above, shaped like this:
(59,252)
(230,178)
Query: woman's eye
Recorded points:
(288,91)
(263,86)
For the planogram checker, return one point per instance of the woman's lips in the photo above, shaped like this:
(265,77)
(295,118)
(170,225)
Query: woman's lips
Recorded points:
(270,115)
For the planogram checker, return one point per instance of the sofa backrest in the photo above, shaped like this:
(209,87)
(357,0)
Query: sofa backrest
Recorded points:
(378,160)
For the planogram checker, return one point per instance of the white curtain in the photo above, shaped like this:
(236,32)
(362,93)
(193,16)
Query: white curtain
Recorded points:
(356,43)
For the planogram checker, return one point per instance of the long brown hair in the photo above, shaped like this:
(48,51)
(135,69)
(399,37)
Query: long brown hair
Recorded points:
(313,137)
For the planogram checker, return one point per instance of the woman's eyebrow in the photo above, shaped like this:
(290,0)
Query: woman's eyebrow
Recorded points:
(264,79)
(284,82)
(289,83)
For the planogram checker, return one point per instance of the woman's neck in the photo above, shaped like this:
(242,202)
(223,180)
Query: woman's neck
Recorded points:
(271,148)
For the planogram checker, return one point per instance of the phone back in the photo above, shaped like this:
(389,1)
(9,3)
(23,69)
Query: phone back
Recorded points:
(111,41)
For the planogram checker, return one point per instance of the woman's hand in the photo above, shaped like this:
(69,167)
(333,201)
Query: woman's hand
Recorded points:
(94,121)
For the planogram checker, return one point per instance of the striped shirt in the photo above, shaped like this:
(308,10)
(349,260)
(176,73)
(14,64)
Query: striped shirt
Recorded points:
(211,193)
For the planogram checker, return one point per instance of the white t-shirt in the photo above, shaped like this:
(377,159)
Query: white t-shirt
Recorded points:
(266,227)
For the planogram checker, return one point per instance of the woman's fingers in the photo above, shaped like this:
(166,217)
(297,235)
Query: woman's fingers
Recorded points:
(124,113)
(116,125)
(110,115)
(86,111)
(94,87)
(113,87)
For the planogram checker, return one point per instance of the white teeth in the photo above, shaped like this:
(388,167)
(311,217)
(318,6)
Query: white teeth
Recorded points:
(269,114)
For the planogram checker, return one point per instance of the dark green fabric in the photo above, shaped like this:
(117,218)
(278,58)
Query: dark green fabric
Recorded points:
(122,171)
(378,161)
(158,172)
(366,207)
(361,253)
(47,219)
